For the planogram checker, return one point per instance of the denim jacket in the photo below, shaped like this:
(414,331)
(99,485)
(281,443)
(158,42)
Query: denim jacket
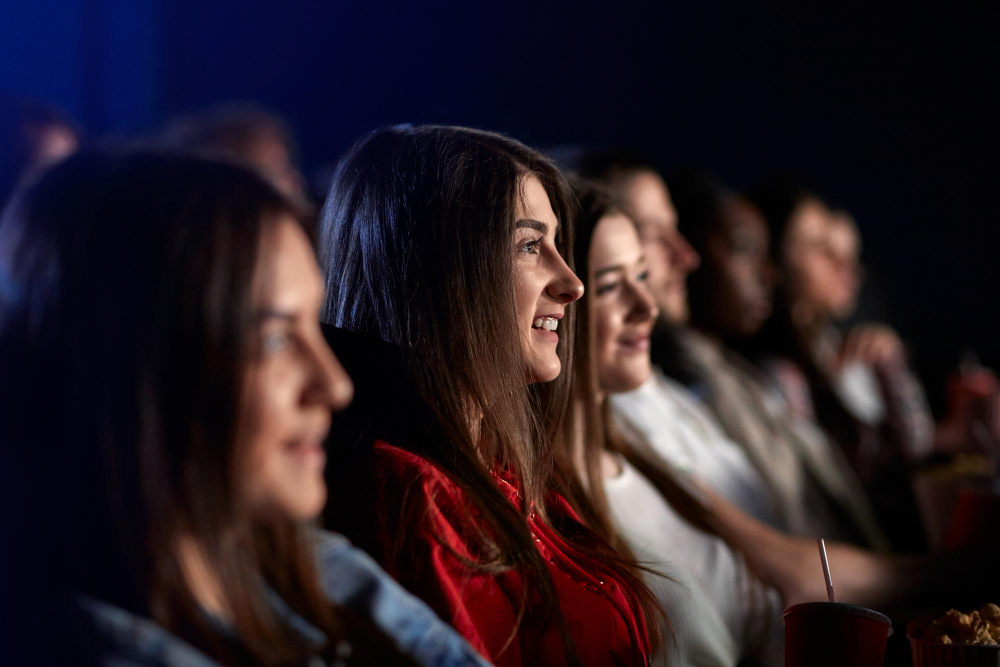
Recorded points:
(350,579)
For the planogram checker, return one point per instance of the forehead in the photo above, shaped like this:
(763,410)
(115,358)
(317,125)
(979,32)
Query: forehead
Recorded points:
(288,277)
(615,242)
(843,231)
(811,219)
(534,202)
(649,199)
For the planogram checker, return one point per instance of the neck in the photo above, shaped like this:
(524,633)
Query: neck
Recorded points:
(808,320)
(203,583)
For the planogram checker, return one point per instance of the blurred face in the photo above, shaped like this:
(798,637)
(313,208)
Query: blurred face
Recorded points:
(622,307)
(669,256)
(810,271)
(739,271)
(845,251)
(294,382)
(543,283)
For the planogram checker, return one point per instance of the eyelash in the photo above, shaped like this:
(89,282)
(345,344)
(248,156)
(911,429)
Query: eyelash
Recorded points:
(530,247)
(610,287)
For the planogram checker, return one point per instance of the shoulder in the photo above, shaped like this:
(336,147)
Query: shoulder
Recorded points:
(105,634)
(419,502)
(402,476)
(352,579)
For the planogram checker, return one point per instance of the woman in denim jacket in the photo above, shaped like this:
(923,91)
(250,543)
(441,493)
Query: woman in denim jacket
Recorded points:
(166,393)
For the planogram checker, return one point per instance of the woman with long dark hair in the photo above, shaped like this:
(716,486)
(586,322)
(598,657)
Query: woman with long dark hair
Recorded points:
(166,393)
(448,244)
(720,614)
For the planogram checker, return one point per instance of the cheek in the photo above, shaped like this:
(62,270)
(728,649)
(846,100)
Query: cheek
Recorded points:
(607,326)
(658,263)
(527,290)
(270,416)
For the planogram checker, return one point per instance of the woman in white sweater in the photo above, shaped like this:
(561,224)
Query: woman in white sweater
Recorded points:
(719,613)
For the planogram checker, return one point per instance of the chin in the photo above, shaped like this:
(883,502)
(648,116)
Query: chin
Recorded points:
(308,503)
(544,372)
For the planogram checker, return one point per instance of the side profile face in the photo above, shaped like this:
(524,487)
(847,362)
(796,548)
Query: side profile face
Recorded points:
(670,258)
(809,269)
(845,251)
(622,307)
(293,383)
(544,285)
(739,271)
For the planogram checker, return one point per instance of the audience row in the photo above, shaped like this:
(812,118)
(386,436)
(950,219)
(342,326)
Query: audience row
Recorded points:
(483,408)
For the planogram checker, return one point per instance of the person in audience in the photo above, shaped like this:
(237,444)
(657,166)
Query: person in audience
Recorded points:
(697,545)
(444,248)
(730,299)
(720,613)
(858,384)
(743,445)
(167,390)
(663,410)
(246,132)
(33,136)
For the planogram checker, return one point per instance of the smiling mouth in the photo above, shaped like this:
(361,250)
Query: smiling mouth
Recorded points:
(546,328)
(309,453)
(545,323)
(635,343)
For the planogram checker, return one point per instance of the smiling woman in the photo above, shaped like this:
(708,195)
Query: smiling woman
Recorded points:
(545,285)
(719,613)
(166,390)
(449,244)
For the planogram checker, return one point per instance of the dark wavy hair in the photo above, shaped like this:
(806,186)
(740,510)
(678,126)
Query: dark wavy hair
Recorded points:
(125,325)
(416,244)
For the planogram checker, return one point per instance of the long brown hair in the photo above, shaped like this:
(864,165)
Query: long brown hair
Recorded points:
(125,320)
(597,203)
(415,241)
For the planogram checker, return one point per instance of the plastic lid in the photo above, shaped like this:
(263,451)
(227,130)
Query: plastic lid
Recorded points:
(839,607)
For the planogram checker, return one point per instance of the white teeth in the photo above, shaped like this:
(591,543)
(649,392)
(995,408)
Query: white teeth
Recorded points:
(538,322)
(547,323)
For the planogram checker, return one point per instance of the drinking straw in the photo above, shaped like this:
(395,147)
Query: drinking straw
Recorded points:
(826,568)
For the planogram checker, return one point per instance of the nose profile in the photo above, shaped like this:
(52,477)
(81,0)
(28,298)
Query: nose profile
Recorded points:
(564,287)
(682,253)
(644,306)
(332,385)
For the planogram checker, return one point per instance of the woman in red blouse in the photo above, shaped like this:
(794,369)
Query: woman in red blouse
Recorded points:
(443,249)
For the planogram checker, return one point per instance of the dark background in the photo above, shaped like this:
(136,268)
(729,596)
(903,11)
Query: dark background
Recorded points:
(891,112)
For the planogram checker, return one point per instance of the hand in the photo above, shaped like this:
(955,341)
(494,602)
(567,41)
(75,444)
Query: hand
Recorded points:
(972,416)
(872,345)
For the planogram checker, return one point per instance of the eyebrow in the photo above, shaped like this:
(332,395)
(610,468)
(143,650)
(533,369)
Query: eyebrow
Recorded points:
(537,225)
(265,314)
(608,269)
(617,267)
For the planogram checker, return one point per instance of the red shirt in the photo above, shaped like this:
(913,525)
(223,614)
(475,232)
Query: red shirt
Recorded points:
(601,612)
